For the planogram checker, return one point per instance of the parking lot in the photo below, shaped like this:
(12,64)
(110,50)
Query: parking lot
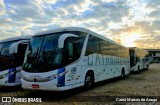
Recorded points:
(145,83)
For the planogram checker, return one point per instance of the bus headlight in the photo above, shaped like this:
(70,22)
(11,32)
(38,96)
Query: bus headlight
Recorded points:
(57,75)
(53,77)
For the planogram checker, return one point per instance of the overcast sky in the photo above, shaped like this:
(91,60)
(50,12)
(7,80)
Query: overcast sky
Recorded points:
(129,22)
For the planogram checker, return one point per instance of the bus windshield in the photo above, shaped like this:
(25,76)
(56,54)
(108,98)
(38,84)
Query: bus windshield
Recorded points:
(43,54)
(6,59)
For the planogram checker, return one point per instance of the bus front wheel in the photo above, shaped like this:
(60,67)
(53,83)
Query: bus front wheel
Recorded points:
(89,80)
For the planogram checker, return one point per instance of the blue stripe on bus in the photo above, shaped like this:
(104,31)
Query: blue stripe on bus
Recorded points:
(61,79)
(12,75)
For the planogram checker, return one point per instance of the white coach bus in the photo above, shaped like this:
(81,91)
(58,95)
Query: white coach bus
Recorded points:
(12,51)
(67,58)
(139,59)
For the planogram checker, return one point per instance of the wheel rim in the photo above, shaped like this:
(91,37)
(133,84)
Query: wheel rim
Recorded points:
(147,66)
(122,75)
(88,81)
(138,69)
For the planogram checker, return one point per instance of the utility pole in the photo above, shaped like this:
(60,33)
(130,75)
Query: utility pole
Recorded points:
(22,34)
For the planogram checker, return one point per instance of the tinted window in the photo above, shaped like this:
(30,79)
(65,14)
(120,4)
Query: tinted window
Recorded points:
(35,45)
(107,48)
(6,59)
(116,48)
(110,48)
(1,47)
(92,45)
(50,54)
(5,48)
(103,47)
(43,53)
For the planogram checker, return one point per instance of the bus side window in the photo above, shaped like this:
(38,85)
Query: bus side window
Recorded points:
(92,46)
(103,47)
(70,50)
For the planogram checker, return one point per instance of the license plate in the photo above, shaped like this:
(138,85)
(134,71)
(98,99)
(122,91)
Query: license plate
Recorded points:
(35,86)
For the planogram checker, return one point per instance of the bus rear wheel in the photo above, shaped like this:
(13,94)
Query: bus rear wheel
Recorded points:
(89,80)
(147,67)
(122,73)
(138,69)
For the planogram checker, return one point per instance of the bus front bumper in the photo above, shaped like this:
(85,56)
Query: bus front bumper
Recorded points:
(49,85)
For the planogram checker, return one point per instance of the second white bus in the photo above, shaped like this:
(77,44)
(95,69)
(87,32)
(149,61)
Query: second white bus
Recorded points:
(12,51)
(139,59)
(67,58)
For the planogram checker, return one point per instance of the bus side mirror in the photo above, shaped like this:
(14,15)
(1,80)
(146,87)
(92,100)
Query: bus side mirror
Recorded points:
(70,51)
(62,39)
(14,47)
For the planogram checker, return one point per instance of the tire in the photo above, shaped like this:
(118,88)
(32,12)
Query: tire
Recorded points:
(122,73)
(138,69)
(147,67)
(89,80)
